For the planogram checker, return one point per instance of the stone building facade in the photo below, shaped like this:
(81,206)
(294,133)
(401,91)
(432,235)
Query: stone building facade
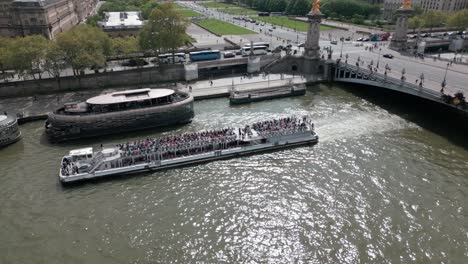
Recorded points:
(45,17)
(446,6)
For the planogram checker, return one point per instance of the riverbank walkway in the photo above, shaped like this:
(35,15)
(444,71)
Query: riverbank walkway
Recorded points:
(37,107)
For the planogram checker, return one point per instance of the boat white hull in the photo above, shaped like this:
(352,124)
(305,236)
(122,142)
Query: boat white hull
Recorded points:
(284,142)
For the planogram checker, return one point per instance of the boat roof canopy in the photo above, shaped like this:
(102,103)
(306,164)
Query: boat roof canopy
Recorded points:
(129,96)
(81,151)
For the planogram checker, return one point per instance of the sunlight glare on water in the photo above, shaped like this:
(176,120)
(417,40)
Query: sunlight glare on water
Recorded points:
(376,189)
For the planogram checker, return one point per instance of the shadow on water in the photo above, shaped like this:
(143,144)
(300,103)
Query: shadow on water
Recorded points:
(440,119)
(117,137)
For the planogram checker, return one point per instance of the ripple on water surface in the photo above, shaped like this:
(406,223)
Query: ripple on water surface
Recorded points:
(377,188)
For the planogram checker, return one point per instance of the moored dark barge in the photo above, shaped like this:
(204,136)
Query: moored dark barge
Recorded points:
(120,112)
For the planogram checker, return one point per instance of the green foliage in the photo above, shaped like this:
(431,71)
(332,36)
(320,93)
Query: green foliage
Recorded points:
(125,46)
(92,20)
(5,53)
(348,9)
(238,11)
(298,7)
(85,47)
(222,28)
(433,18)
(357,19)
(54,61)
(27,54)
(415,22)
(188,13)
(165,29)
(459,19)
(217,5)
(288,23)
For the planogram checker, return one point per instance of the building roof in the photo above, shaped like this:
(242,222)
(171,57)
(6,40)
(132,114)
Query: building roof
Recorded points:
(121,19)
(129,96)
(81,151)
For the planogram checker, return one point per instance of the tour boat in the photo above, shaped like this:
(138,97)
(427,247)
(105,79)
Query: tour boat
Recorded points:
(154,154)
(9,131)
(119,112)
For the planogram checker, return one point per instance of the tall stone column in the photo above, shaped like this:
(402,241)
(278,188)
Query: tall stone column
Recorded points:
(311,47)
(399,40)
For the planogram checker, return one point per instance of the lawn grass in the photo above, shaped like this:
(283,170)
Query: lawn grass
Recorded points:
(217,5)
(288,23)
(188,13)
(222,28)
(177,6)
(238,11)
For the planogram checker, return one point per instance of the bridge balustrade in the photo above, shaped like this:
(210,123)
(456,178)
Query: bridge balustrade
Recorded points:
(346,72)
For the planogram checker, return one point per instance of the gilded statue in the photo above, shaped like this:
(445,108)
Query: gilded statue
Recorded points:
(316,7)
(406,4)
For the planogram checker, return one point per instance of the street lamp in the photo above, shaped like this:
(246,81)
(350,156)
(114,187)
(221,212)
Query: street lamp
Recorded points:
(444,82)
(378,60)
(341,52)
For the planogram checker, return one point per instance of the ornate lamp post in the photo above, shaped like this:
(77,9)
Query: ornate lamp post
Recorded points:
(399,40)
(444,82)
(311,47)
(378,60)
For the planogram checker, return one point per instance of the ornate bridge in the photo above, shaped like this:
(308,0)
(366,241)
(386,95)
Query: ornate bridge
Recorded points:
(352,74)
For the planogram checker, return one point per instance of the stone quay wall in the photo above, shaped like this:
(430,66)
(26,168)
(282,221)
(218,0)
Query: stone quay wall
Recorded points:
(137,76)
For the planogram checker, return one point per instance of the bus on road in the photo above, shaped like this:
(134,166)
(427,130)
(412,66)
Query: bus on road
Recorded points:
(205,55)
(257,50)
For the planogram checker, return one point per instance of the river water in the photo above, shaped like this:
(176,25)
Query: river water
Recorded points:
(386,183)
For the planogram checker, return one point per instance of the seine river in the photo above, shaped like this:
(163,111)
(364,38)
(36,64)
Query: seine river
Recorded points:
(387,183)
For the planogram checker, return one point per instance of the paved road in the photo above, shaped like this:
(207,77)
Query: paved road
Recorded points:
(434,71)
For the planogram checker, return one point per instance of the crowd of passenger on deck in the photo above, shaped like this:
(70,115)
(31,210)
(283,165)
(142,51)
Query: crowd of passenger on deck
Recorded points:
(153,149)
(68,167)
(282,126)
(187,143)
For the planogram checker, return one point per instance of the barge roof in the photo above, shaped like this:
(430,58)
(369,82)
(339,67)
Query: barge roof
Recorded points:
(6,120)
(129,96)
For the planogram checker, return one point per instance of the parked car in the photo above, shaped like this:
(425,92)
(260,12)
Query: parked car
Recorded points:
(334,42)
(270,29)
(301,45)
(366,39)
(388,56)
(360,39)
(348,38)
(229,54)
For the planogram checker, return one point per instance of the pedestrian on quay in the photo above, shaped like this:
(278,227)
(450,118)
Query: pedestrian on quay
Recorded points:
(211,83)
(190,88)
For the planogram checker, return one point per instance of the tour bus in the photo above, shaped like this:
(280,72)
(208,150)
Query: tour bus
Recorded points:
(168,59)
(205,55)
(266,44)
(257,50)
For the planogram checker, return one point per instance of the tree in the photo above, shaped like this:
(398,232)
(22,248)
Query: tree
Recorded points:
(5,54)
(147,8)
(165,29)
(459,19)
(92,20)
(85,47)
(434,18)
(415,23)
(54,61)
(27,55)
(125,46)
